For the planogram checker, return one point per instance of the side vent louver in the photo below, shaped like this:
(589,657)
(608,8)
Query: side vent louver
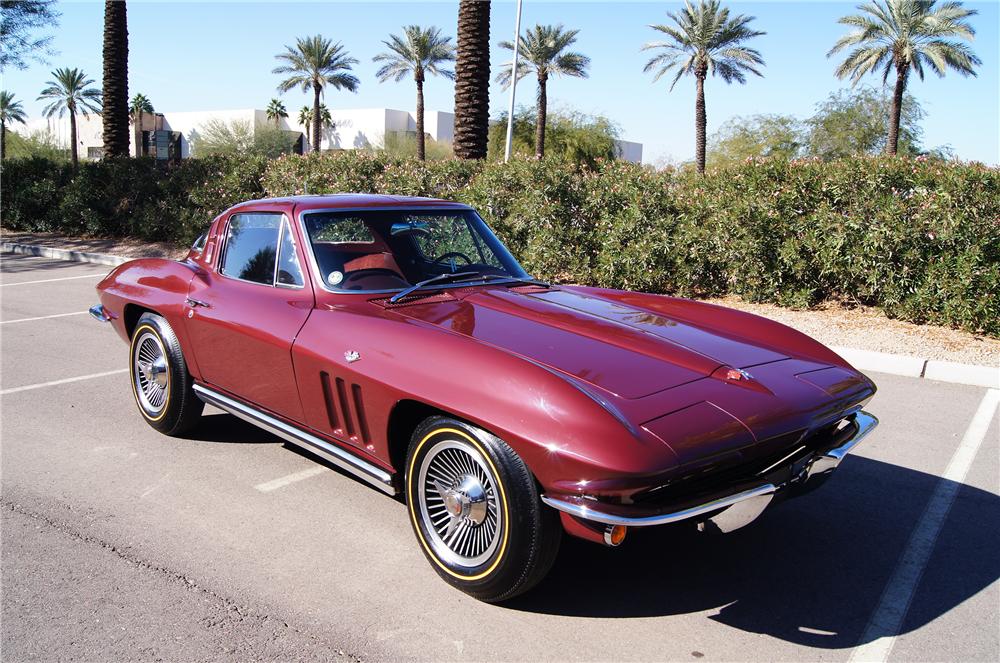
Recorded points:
(338,408)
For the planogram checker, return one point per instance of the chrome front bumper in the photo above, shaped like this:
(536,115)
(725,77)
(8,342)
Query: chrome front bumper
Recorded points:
(732,511)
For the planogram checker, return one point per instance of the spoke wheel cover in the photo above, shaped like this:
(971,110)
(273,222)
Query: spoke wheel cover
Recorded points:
(150,373)
(459,504)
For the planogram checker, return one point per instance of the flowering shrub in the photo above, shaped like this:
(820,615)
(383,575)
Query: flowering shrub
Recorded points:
(919,238)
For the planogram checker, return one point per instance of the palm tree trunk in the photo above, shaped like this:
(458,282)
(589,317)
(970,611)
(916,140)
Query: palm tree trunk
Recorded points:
(892,143)
(74,158)
(317,90)
(700,120)
(3,140)
(542,115)
(421,147)
(115,94)
(472,80)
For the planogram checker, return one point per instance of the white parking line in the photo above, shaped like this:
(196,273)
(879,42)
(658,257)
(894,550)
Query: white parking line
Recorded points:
(53,383)
(281,482)
(887,620)
(64,278)
(41,317)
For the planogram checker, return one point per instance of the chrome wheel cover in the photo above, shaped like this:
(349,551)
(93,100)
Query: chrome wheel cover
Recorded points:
(459,504)
(150,374)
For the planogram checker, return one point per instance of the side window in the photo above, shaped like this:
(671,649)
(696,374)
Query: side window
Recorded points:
(289,270)
(252,247)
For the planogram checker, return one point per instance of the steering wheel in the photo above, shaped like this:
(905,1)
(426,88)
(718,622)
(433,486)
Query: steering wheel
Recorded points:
(452,254)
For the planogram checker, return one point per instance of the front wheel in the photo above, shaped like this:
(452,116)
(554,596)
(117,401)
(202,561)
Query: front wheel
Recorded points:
(161,384)
(476,512)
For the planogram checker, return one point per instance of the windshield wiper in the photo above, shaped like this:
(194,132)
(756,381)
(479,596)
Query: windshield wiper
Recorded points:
(517,279)
(434,279)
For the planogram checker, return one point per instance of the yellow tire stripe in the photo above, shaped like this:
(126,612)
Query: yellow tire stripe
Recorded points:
(412,500)
(131,370)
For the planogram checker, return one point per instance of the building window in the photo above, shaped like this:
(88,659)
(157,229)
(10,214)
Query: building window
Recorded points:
(95,153)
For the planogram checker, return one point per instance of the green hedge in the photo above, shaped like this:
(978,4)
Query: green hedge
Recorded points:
(920,239)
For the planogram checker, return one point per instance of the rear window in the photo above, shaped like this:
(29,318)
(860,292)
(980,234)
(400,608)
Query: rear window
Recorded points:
(252,247)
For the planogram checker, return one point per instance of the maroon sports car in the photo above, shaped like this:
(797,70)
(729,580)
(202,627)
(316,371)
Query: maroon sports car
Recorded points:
(398,339)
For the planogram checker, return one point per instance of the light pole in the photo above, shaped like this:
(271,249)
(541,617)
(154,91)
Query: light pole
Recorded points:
(513,84)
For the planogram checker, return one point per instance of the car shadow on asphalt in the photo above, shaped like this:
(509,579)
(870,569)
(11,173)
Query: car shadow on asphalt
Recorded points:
(811,571)
(227,429)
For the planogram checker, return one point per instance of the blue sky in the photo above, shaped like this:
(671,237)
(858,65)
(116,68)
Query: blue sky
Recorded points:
(219,55)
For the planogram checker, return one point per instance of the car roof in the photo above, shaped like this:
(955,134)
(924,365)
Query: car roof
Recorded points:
(348,201)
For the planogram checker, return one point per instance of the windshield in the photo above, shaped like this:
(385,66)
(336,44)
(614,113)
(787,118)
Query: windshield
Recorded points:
(388,250)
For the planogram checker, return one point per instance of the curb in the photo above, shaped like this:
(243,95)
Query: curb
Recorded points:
(865,360)
(62,254)
(914,367)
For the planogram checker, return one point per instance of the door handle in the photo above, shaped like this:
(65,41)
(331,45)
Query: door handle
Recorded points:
(190,301)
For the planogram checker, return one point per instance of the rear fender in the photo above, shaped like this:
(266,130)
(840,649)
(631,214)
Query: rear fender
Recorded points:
(156,284)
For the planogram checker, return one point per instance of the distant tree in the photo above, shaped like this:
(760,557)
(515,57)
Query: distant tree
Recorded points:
(856,122)
(305,119)
(70,91)
(276,111)
(704,40)
(542,50)
(115,96)
(10,112)
(571,136)
(902,35)
(18,19)
(419,52)
(315,63)
(41,143)
(216,137)
(137,108)
(325,120)
(404,144)
(472,80)
(741,138)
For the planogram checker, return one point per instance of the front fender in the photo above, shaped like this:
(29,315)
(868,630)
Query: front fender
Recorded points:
(564,434)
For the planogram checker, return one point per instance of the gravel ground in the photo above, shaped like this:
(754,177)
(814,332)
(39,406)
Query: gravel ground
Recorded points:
(863,328)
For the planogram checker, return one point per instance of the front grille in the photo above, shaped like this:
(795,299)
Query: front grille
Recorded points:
(770,455)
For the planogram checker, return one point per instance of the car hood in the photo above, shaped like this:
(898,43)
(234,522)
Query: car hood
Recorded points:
(629,352)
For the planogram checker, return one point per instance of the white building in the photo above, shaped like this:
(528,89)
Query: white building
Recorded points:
(171,134)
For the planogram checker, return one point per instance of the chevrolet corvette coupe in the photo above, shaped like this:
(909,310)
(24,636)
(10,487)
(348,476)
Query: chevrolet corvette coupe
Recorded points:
(398,339)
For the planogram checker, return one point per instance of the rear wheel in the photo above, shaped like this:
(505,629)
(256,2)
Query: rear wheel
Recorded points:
(161,384)
(476,511)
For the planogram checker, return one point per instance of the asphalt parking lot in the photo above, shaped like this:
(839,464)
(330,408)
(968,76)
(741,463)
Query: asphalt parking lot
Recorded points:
(119,543)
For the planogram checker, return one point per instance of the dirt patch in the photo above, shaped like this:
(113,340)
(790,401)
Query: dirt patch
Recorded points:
(116,246)
(866,328)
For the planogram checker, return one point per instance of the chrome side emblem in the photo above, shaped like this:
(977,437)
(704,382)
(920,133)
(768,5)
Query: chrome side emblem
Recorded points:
(352,356)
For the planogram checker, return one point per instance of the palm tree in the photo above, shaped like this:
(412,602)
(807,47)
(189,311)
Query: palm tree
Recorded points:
(472,80)
(276,111)
(10,111)
(70,91)
(139,106)
(541,50)
(115,113)
(305,119)
(422,51)
(316,62)
(704,40)
(905,35)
